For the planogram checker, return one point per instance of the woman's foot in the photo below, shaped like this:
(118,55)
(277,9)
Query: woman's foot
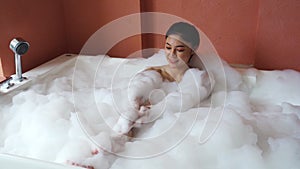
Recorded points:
(80,165)
(93,152)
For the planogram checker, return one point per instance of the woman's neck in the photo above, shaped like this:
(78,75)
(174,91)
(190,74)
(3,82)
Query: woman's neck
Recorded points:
(178,72)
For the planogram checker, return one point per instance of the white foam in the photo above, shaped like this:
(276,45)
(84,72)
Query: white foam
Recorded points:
(259,127)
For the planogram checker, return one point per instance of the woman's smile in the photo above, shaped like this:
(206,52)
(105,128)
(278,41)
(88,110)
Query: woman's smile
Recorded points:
(172,61)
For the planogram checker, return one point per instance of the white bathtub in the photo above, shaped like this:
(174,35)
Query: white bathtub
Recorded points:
(39,71)
(240,129)
(9,161)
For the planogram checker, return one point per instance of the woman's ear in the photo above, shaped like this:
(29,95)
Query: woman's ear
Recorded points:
(192,51)
(192,54)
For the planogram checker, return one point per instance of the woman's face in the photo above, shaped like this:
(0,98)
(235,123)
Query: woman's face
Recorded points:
(177,53)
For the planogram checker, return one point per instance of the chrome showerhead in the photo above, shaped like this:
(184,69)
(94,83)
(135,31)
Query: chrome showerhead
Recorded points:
(19,46)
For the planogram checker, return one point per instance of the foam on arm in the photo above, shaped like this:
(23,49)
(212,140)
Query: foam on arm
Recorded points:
(194,87)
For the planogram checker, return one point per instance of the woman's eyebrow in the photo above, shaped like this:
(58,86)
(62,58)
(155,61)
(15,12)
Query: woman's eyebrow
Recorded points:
(175,46)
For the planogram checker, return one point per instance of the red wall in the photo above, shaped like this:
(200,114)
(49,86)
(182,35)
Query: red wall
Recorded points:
(38,22)
(54,27)
(83,18)
(260,32)
(278,35)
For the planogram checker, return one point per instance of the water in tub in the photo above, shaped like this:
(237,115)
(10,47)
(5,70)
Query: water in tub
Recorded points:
(259,127)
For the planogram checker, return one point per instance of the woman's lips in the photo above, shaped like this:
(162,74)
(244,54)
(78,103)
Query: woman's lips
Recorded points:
(173,61)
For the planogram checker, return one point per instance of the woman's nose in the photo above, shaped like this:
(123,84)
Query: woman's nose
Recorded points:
(172,55)
(173,52)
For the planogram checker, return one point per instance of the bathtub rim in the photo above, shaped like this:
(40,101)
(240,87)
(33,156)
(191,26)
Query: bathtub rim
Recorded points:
(11,161)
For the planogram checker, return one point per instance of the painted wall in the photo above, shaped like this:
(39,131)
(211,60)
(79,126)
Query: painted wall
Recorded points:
(260,32)
(278,35)
(84,18)
(54,27)
(38,22)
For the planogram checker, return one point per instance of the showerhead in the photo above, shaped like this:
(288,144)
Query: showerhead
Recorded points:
(19,46)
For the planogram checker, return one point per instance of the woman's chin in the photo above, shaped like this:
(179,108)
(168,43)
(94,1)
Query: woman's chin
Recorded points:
(172,65)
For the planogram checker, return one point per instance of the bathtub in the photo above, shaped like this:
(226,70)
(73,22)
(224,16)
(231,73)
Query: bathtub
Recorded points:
(246,125)
(49,73)
(41,70)
(9,161)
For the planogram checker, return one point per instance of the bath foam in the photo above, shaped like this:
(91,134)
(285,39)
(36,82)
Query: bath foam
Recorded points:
(259,128)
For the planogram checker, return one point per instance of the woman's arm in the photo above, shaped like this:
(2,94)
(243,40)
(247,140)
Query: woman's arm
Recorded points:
(138,91)
(194,88)
(142,85)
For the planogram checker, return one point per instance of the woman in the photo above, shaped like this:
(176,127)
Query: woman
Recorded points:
(182,39)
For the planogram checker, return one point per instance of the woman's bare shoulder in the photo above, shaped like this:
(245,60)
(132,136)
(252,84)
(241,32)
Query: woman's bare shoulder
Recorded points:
(162,70)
